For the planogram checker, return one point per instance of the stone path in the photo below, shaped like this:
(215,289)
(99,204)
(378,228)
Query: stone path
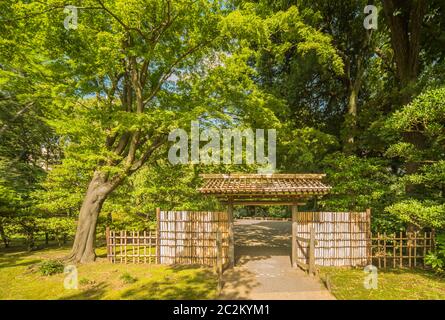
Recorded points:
(263,267)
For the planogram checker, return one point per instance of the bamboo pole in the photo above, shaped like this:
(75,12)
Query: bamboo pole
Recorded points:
(369,237)
(219,259)
(231,235)
(312,252)
(158,240)
(107,237)
(294,235)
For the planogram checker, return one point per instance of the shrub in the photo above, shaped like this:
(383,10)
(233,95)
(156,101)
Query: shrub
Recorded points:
(437,259)
(50,267)
(86,282)
(128,278)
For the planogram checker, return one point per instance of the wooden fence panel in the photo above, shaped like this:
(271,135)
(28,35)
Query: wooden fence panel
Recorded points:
(187,237)
(342,237)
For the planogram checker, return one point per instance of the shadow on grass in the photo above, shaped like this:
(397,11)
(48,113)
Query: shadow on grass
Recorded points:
(17,259)
(96,292)
(17,256)
(176,286)
(421,272)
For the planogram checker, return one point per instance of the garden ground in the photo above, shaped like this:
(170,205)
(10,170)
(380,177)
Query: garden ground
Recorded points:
(20,279)
(392,284)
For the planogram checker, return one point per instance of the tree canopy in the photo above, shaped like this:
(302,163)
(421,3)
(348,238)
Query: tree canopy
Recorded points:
(85,111)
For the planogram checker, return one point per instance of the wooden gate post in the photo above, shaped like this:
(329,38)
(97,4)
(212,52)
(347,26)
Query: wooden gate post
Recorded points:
(158,232)
(231,234)
(368,237)
(107,237)
(294,235)
(219,266)
(312,252)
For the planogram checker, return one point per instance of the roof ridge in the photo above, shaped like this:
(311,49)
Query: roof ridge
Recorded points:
(263,176)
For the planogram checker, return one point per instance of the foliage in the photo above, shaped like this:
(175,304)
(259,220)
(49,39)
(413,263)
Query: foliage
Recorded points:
(31,226)
(359,184)
(422,214)
(128,278)
(102,98)
(436,259)
(304,149)
(425,113)
(61,228)
(424,119)
(51,267)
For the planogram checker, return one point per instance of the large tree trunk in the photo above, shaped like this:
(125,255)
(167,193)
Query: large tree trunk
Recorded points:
(405,22)
(351,120)
(355,85)
(84,242)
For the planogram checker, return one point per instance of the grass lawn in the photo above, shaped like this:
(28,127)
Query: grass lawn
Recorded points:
(396,284)
(20,279)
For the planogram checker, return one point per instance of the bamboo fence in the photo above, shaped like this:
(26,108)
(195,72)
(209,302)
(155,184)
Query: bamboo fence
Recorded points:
(401,250)
(342,237)
(132,246)
(187,237)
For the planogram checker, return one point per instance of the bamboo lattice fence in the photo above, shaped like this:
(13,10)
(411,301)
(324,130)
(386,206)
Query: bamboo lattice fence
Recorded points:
(342,238)
(401,250)
(132,246)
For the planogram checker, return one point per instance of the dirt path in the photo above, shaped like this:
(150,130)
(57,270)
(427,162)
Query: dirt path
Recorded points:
(263,267)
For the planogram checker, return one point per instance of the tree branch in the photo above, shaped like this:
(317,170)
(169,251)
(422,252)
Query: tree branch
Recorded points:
(170,70)
(16,116)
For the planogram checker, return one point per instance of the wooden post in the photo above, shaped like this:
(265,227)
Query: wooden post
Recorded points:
(294,235)
(369,236)
(158,232)
(401,250)
(219,268)
(231,235)
(312,252)
(175,224)
(384,250)
(125,246)
(107,237)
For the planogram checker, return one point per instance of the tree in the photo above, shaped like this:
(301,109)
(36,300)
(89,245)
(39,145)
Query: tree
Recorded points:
(425,115)
(139,49)
(129,74)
